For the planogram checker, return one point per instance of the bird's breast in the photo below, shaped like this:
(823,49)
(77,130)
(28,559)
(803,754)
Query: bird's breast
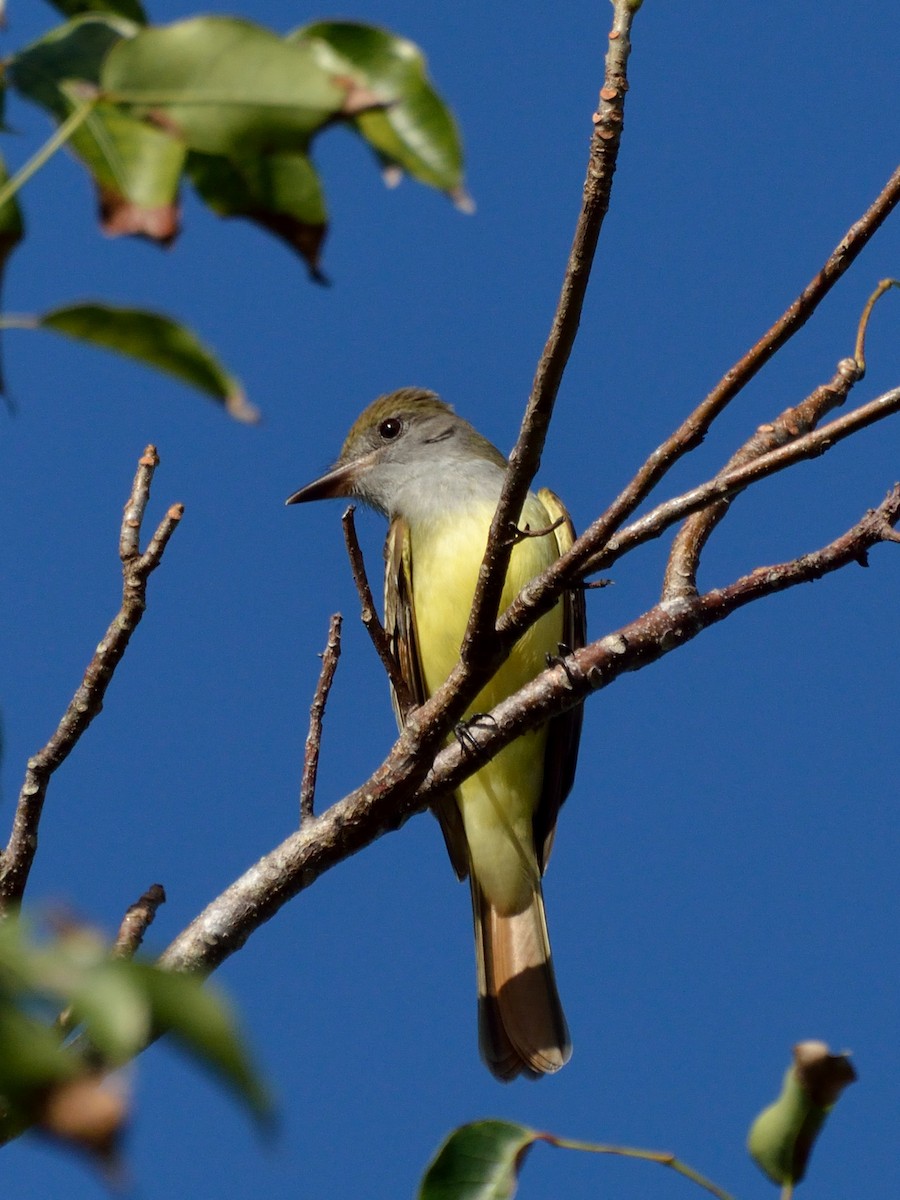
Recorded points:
(446,558)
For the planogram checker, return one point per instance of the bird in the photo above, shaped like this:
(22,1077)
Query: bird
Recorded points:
(438,480)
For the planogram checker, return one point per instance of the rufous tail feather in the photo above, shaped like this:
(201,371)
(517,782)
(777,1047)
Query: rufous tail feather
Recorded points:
(521,1025)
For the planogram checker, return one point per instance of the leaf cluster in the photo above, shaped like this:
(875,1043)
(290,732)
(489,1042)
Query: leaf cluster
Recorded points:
(69,982)
(232,110)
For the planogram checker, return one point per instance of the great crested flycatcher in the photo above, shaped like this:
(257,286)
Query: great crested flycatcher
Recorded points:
(438,481)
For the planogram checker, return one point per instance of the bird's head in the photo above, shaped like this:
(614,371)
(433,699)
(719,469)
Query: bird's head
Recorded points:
(402,443)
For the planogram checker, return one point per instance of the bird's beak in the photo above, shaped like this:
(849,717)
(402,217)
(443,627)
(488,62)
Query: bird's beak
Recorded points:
(339,481)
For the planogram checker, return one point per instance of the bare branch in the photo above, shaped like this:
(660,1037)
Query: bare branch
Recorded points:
(137,920)
(369,614)
(87,702)
(684,558)
(398,788)
(330,656)
(479,642)
(542,593)
(692,431)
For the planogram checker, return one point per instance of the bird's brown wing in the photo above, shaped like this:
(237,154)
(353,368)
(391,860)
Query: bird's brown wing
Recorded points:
(400,626)
(564,731)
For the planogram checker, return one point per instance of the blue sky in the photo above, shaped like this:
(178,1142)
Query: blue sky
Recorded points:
(724,881)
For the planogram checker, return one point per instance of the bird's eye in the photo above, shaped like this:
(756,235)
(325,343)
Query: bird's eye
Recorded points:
(391,428)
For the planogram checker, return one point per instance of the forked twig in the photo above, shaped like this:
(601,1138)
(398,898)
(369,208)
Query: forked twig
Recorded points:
(592,550)
(684,558)
(542,593)
(17,858)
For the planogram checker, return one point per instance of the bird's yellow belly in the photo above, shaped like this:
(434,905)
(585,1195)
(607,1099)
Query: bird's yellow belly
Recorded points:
(498,802)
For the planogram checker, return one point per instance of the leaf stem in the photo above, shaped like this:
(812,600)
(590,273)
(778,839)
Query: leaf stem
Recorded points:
(663,1157)
(72,122)
(19,321)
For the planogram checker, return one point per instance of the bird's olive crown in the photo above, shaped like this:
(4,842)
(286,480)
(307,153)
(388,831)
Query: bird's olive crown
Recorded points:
(413,419)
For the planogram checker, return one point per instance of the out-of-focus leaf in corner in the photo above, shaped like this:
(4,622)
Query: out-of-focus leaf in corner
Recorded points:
(415,131)
(200,1019)
(782,1137)
(228,86)
(157,341)
(136,167)
(280,192)
(132,9)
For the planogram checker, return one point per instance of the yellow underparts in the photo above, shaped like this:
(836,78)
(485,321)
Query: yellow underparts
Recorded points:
(497,802)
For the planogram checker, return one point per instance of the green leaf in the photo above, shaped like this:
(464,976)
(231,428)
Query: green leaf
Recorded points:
(416,130)
(155,340)
(479,1161)
(227,86)
(71,52)
(199,1018)
(132,9)
(782,1137)
(280,192)
(112,1005)
(31,1054)
(136,167)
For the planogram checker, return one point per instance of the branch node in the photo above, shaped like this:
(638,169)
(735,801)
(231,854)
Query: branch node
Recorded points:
(137,920)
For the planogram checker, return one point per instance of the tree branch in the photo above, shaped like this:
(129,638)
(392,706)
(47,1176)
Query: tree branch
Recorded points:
(479,644)
(684,558)
(394,792)
(694,428)
(663,628)
(583,559)
(16,861)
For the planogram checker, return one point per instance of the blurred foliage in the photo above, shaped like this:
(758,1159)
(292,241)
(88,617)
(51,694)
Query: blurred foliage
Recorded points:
(68,983)
(231,109)
(783,1135)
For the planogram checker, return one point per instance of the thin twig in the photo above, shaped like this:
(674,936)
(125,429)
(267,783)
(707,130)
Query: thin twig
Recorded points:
(87,702)
(522,535)
(369,614)
(330,656)
(860,352)
(137,920)
(680,577)
(478,645)
(399,788)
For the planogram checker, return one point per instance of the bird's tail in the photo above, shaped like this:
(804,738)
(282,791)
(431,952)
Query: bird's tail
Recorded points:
(521,1025)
